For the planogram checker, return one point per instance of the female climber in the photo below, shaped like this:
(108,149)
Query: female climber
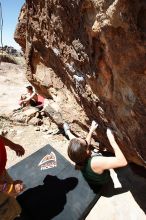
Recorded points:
(95,169)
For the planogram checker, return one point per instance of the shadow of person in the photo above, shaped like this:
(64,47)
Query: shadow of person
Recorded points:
(47,200)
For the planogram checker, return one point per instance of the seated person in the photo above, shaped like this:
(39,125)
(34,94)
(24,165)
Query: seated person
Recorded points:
(30,98)
(9,189)
(95,169)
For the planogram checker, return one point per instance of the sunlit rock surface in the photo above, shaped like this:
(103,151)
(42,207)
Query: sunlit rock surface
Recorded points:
(89,58)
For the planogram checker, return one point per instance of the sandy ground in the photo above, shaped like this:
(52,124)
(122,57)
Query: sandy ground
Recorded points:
(128,202)
(13,82)
(119,207)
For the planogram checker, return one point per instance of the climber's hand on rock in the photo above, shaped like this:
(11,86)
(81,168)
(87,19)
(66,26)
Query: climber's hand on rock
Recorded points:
(93,127)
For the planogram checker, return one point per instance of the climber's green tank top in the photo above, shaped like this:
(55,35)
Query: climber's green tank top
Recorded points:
(92,177)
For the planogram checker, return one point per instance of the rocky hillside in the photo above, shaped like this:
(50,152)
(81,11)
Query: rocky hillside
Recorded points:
(11,51)
(9,54)
(89,58)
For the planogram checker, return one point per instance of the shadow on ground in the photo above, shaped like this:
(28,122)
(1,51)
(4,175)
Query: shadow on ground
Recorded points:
(133,179)
(47,200)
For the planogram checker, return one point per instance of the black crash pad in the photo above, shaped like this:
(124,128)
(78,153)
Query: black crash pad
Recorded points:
(49,199)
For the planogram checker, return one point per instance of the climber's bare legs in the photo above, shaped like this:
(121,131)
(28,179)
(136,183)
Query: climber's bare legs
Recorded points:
(70,135)
(68,132)
(115,179)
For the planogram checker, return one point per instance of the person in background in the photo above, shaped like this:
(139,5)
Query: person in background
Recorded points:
(9,189)
(96,169)
(30,98)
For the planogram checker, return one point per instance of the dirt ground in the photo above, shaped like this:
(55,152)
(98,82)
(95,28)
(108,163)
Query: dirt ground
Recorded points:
(128,202)
(13,82)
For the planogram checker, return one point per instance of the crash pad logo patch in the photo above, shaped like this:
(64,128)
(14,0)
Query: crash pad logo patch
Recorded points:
(49,161)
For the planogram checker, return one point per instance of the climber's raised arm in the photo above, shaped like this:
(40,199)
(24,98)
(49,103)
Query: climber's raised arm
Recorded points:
(93,127)
(103,163)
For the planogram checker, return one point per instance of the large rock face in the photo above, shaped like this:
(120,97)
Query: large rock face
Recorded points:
(89,58)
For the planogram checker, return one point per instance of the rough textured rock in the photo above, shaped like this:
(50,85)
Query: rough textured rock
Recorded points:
(24,115)
(89,58)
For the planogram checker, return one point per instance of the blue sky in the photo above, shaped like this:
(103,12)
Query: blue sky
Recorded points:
(11,9)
